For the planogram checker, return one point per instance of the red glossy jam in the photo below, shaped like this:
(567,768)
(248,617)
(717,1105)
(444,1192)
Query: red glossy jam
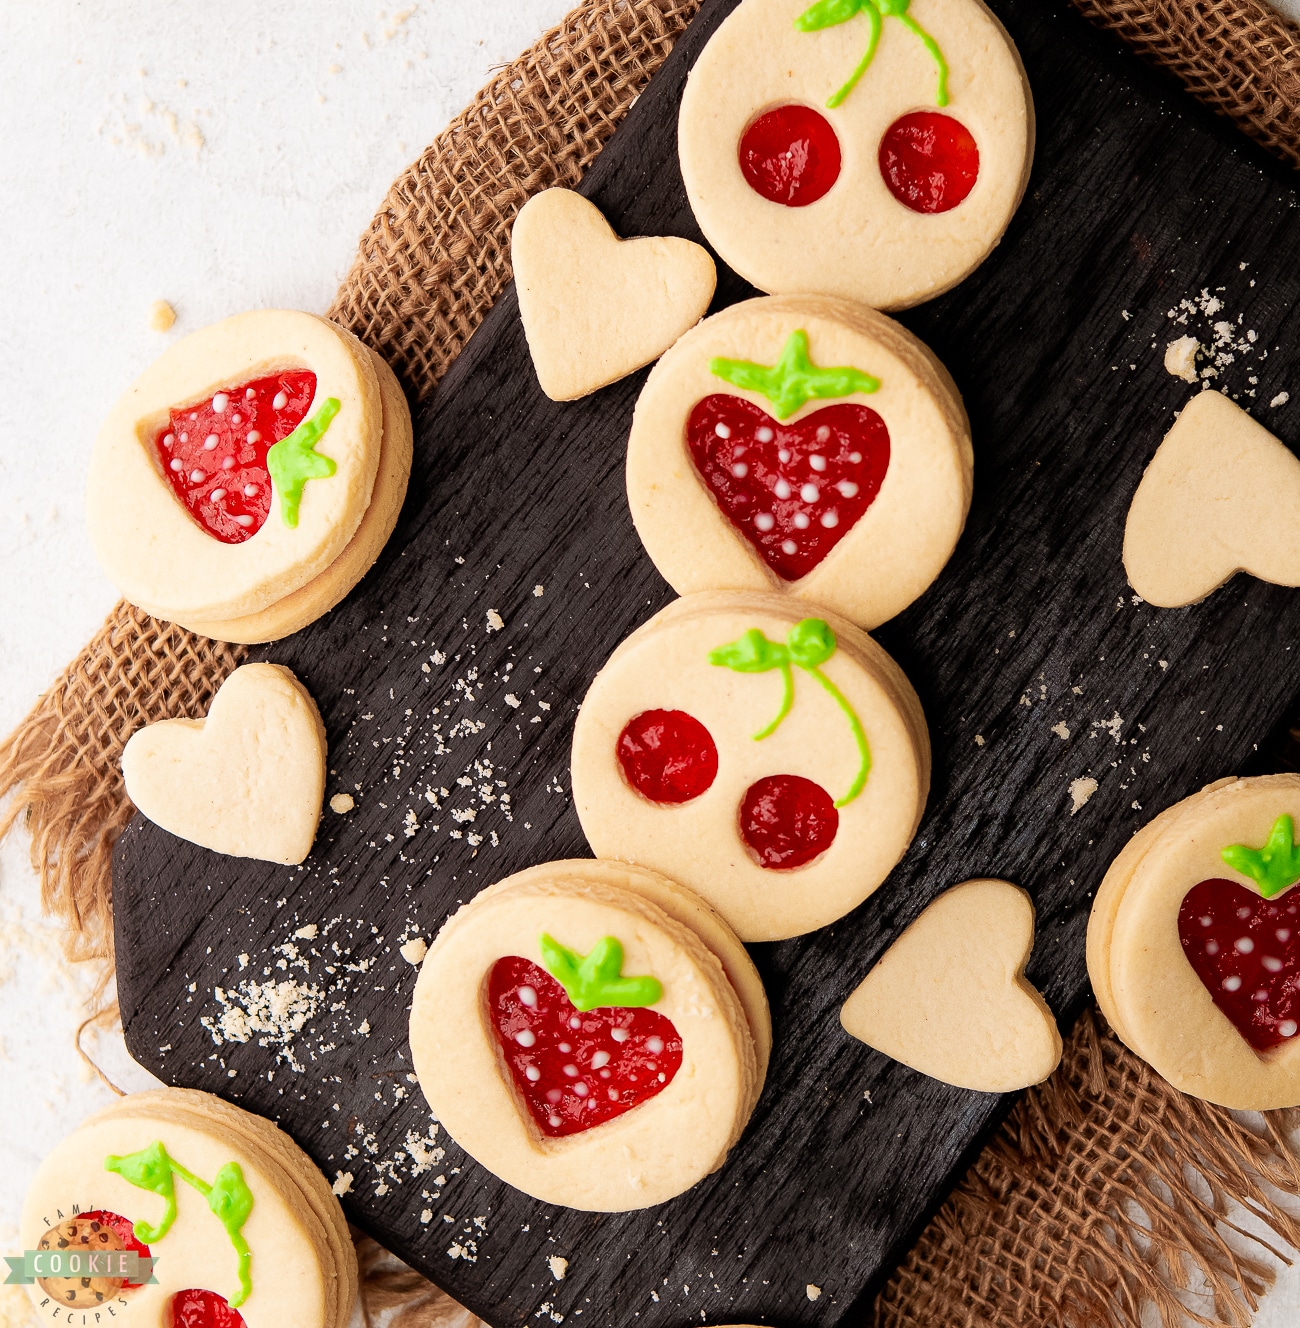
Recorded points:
(930,161)
(121,1227)
(787,821)
(1244,948)
(576,1070)
(790,155)
(667,756)
(214,453)
(792,490)
(203,1309)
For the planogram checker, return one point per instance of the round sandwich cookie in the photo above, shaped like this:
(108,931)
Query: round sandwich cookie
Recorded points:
(250,476)
(1194,944)
(591,1033)
(871,150)
(174,1209)
(806,446)
(775,763)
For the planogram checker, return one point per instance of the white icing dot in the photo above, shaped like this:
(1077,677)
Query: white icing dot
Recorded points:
(810,493)
(601,1058)
(802,521)
(789,547)
(249,394)
(1232,983)
(1244,912)
(526,1037)
(564,1047)
(654,1045)
(1261,996)
(1283,934)
(1271,964)
(847,489)
(218,495)
(764,434)
(185,438)
(228,463)
(722,431)
(532,1074)
(1243,945)
(1288,1027)
(244,521)
(782,489)
(581,1089)
(194,414)
(527,995)
(1211,947)
(169,440)
(210,442)
(855,458)
(571,1071)
(619,1034)
(613,1094)
(553,1095)
(250,491)
(280,402)
(220,402)
(818,463)
(783,455)
(663,1078)
(823,433)
(574,1021)
(236,418)
(830,519)
(1207,921)
(554,1121)
(176,463)
(604,1074)
(765,521)
(740,470)
(196,477)
(254,436)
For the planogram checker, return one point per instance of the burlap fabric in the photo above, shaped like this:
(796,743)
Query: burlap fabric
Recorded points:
(1106,1191)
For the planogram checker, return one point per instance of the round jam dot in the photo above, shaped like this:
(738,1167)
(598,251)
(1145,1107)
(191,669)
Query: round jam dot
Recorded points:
(787,821)
(668,756)
(790,155)
(930,161)
(203,1309)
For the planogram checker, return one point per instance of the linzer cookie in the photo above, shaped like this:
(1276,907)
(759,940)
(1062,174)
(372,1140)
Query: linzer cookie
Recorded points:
(250,476)
(772,759)
(173,1209)
(801,445)
(591,1033)
(855,148)
(1194,944)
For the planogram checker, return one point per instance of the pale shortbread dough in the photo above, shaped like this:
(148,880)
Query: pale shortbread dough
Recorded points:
(950,998)
(899,544)
(596,308)
(644,1157)
(858,241)
(1220,496)
(324,592)
(153,550)
(303,1268)
(1144,984)
(665,665)
(248,780)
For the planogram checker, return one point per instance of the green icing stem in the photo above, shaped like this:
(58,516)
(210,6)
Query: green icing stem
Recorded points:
(859,737)
(794,379)
(229,1199)
(787,700)
(1274,867)
(873,40)
(597,979)
(294,460)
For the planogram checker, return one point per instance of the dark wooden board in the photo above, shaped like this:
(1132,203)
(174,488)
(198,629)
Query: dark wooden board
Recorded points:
(1137,200)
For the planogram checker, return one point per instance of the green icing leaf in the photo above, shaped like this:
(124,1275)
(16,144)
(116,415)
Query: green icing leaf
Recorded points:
(811,643)
(794,379)
(294,460)
(149,1169)
(828,14)
(753,653)
(597,979)
(1276,866)
(231,1202)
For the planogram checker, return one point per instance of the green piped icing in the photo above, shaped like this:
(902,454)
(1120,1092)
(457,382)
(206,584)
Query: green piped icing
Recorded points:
(809,645)
(294,460)
(794,379)
(597,979)
(831,13)
(1276,866)
(228,1197)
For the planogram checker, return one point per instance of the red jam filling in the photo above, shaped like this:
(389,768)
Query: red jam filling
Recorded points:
(214,454)
(1245,951)
(576,1070)
(121,1227)
(930,161)
(792,490)
(668,756)
(203,1309)
(787,821)
(790,155)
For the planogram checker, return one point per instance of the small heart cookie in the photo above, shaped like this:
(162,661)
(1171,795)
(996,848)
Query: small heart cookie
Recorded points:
(248,780)
(949,997)
(597,308)
(1221,496)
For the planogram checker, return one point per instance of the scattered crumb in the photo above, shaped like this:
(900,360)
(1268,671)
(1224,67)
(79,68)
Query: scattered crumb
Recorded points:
(1180,358)
(538,591)
(342,802)
(307,933)
(1280,400)
(1061,730)
(814,1292)
(426,1216)
(495,622)
(559,1267)
(342,1184)
(979,740)
(161,315)
(414,950)
(1080,791)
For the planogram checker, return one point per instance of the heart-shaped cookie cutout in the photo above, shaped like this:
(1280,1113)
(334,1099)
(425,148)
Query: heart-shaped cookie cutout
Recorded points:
(1221,496)
(950,999)
(597,308)
(248,780)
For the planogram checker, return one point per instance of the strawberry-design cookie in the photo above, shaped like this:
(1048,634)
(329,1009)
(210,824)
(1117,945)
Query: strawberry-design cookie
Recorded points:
(173,1209)
(1192,944)
(871,149)
(250,476)
(801,445)
(774,763)
(592,1033)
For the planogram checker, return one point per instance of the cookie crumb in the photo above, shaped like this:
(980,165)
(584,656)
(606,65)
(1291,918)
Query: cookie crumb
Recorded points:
(538,591)
(342,802)
(559,1267)
(426,1216)
(1280,400)
(307,933)
(814,1292)
(1180,358)
(1080,791)
(1061,730)
(161,316)
(414,950)
(979,740)
(495,622)
(342,1184)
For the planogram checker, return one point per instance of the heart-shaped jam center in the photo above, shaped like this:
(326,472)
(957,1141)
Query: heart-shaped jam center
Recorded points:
(203,1309)
(1245,951)
(573,1069)
(213,453)
(792,490)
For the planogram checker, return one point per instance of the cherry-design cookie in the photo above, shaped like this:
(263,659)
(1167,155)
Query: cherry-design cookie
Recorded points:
(230,483)
(871,150)
(173,1209)
(776,764)
(592,1033)
(1192,944)
(801,445)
